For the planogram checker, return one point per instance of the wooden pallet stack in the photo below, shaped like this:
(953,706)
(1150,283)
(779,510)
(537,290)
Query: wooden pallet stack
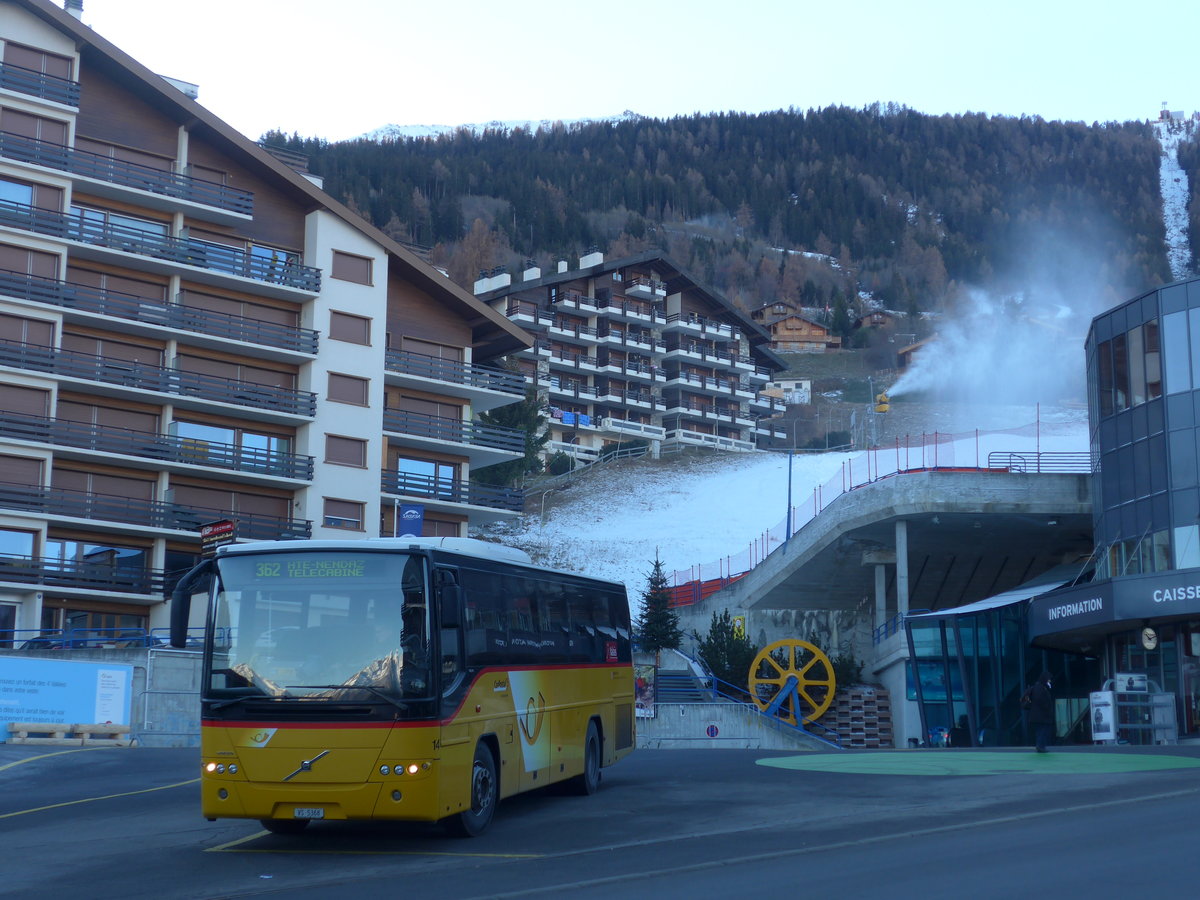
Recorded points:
(93,735)
(862,716)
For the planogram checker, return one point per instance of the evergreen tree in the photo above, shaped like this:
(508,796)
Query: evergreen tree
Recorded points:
(727,651)
(658,624)
(526,416)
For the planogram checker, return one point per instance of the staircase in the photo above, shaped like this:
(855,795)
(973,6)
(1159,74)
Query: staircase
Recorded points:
(679,687)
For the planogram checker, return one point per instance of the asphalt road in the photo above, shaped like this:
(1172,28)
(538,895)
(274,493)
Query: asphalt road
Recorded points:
(688,823)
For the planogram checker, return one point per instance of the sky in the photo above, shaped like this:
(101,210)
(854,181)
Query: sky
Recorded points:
(339,68)
(722,513)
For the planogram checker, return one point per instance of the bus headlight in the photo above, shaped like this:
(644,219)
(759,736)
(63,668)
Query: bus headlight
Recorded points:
(384,770)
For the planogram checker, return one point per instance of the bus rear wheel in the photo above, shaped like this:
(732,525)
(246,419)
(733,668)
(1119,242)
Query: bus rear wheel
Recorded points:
(588,783)
(284,826)
(485,794)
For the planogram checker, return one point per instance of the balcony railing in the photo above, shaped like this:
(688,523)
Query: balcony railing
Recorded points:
(423,366)
(566,387)
(149,513)
(573,360)
(572,297)
(181,250)
(69,295)
(457,431)
(127,174)
(452,490)
(37,84)
(91,576)
(525,309)
(150,377)
(148,445)
(700,323)
(585,332)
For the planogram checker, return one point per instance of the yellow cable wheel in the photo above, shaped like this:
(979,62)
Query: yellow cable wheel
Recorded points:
(792,679)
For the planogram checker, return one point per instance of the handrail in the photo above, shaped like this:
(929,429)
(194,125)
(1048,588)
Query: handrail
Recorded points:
(153,377)
(280,270)
(936,452)
(151,513)
(127,174)
(152,445)
(39,84)
(93,638)
(421,365)
(1064,461)
(834,739)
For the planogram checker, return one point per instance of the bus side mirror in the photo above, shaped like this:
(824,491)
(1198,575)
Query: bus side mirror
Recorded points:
(449,604)
(181,601)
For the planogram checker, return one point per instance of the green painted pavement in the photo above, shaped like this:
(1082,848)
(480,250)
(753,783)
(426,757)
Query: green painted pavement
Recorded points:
(980,762)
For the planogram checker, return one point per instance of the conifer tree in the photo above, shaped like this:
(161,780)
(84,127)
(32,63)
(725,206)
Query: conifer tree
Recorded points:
(727,650)
(528,417)
(658,624)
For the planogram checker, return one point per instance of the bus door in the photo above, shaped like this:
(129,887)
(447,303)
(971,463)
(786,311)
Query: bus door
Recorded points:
(456,737)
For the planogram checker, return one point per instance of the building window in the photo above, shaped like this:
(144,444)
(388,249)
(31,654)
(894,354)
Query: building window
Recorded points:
(225,445)
(352,329)
(348,267)
(41,61)
(8,625)
(348,389)
(427,477)
(344,451)
(15,193)
(343,514)
(15,545)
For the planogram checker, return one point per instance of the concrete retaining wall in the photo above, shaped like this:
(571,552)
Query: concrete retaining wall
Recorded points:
(722,726)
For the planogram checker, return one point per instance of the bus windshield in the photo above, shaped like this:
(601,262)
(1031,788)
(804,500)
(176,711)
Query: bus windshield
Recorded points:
(323,623)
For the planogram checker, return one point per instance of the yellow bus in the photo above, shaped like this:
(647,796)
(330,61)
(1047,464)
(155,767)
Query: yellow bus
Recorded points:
(419,679)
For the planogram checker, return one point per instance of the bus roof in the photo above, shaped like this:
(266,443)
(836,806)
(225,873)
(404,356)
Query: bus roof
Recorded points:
(470,547)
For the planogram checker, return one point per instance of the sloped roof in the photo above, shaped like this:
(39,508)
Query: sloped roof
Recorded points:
(492,333)
(759,336)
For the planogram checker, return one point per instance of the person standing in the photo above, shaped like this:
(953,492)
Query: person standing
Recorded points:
(1041,711)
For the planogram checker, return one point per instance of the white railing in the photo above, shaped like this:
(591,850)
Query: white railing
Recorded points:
(973,450)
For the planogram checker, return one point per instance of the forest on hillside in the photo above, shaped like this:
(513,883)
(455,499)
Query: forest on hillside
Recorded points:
(813,206)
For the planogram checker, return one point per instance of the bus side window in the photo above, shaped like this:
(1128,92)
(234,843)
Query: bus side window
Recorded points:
(583,627)
(552,622)
(486,632)
(522,638)
(619,611)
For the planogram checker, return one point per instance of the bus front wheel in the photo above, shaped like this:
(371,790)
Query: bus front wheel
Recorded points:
(485,794)
(587,783)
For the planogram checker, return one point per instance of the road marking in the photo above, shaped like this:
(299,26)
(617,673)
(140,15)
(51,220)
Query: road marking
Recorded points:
(227,848)
(29,759)
(804,851)
(22,812)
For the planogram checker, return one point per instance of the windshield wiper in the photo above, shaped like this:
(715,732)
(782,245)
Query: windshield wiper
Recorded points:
(399,704)
(221,704)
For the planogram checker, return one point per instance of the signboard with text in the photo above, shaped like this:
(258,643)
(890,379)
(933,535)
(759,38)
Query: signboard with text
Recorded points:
(216,534)
(64,692)
(1103,716)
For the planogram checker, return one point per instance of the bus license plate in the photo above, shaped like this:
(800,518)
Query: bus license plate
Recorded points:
(309,812)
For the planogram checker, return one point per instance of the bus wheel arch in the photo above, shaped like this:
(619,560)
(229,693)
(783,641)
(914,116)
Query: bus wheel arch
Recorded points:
(588,782)
(484,791)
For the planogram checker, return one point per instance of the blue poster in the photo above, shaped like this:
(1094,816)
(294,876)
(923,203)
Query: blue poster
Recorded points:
(64,692)
(412,520)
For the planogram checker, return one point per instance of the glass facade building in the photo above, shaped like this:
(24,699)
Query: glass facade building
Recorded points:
(1140,616)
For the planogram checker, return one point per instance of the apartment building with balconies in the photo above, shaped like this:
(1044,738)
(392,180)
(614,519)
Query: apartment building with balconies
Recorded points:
(635,348)
(192,332)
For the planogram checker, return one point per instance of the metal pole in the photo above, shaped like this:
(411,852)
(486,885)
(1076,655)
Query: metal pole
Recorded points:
(788,529)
